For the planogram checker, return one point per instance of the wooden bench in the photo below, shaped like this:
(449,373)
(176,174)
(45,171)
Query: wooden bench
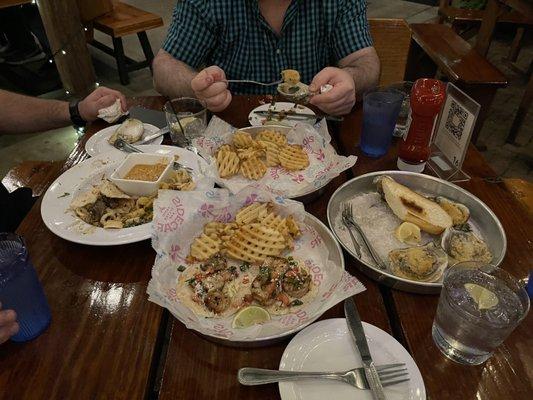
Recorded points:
(126,20)
(438,47)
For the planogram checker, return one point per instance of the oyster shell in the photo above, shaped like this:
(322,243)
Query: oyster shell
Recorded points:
(465,245)
(130,130)
(420,263)
(459,212)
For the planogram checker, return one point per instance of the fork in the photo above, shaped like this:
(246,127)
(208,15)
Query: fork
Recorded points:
(252,82)
(347,213)
(122,145)
(388,375)
(356,245)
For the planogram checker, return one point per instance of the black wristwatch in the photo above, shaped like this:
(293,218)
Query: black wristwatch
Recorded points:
(75,116)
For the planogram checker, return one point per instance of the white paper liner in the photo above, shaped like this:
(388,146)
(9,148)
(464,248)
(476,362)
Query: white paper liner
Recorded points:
(179,217)
(324,163)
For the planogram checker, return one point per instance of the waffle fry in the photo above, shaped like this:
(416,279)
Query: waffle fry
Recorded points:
(277,222)
(271,152)
(293,157)
(271,136)
(242,140)
(254,212)
(253,168)
(228,163)
(293,227)
(249,152)
(213,229)
(254,242)
(224,147)
(204,247)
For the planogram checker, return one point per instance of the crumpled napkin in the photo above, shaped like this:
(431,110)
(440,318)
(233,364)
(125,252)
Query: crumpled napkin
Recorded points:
(112,113)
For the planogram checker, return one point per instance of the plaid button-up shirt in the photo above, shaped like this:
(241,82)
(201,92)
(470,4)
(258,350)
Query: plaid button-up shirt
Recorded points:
(234,35)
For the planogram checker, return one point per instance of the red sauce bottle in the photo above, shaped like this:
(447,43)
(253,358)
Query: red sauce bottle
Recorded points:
(427,98)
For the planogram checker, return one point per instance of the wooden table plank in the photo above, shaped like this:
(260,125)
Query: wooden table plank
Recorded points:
(506,375)
(196,368)
(11,3)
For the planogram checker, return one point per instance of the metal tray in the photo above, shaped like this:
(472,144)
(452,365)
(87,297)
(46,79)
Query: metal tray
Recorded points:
(480,215)
(306,196)
(335,255)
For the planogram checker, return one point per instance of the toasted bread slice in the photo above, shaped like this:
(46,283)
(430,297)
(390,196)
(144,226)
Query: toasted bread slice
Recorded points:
(412,207)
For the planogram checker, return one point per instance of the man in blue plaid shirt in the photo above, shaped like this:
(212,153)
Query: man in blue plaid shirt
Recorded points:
(328,42)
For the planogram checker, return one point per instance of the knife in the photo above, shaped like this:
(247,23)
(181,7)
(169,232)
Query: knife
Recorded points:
(160,132)
(358,334)
(297,116)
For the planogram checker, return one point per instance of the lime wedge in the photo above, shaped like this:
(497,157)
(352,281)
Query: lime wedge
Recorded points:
(250,316)
(483,297)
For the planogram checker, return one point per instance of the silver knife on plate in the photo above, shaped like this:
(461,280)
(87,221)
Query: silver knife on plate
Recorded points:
(151,137)
(358,334)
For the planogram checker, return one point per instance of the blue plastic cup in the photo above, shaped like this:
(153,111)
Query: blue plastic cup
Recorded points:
(20,289)
(380,112)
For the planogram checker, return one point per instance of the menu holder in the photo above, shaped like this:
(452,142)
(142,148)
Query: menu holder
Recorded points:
(452,135)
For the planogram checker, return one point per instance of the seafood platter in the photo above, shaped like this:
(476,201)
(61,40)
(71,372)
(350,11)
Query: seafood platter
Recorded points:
(108,199)
(244,269)
(290,161)
(418,225)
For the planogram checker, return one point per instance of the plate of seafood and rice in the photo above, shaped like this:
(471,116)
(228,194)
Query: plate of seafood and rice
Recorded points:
(84,206)
(418,225)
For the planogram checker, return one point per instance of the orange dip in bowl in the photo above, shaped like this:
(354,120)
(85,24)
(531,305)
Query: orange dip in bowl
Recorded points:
(145,172)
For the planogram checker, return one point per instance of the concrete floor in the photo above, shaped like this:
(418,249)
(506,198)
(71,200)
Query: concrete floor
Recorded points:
(507,160)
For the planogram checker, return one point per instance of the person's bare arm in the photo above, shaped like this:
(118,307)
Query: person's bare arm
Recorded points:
(172,78)
(364,67)
(24,114)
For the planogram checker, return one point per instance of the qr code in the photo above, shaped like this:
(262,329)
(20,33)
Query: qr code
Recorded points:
(455,123)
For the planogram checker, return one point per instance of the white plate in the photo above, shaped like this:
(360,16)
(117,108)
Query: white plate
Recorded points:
(98,143)
(258,120)
(328,346)
(55,204)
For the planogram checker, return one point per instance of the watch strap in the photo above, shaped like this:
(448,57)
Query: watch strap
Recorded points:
(75,116)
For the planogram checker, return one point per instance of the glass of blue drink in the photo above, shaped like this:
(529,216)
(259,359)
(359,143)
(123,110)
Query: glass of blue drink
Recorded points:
(380,112)
(479,306)
(20,289)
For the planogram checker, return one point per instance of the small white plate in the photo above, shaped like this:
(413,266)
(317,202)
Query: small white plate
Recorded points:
(56,201)
(98,143)
(258,120)
(328,346)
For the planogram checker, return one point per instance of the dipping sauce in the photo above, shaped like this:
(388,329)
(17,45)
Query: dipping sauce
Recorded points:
(145,172)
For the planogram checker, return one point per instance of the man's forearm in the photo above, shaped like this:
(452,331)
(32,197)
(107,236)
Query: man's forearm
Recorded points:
(23,114)
(364,67)
(172,78)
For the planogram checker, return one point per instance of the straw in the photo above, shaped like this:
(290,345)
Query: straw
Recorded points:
(177,119)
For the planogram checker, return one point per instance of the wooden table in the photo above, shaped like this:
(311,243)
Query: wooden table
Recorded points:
(107,341)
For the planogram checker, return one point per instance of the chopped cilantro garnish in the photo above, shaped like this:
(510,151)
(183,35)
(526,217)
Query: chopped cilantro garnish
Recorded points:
(191,281)
(181,268)
(244,266)
(296,302)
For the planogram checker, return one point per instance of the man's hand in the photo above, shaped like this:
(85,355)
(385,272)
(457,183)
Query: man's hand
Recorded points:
(100,98)
(340,99)
(8,324)
(208,86)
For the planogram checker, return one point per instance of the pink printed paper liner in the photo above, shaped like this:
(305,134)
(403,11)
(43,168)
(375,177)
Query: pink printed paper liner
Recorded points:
(324,163)
(179,217)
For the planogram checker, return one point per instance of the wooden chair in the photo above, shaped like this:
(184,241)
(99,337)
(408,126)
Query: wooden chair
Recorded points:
(122,21)
(392,40)
(438,47)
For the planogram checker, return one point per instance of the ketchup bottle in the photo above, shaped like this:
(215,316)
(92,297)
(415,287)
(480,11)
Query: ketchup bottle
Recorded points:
(427,97)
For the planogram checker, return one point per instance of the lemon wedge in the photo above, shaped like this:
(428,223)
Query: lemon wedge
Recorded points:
(408,232)
(250,316)
(483,297)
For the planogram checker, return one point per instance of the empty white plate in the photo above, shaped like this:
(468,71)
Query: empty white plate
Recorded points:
(328,346)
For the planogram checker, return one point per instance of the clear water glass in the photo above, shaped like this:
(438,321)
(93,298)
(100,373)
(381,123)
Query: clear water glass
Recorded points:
(380,112)
(20,289)
(403,117)
(479,306)
(192,115)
